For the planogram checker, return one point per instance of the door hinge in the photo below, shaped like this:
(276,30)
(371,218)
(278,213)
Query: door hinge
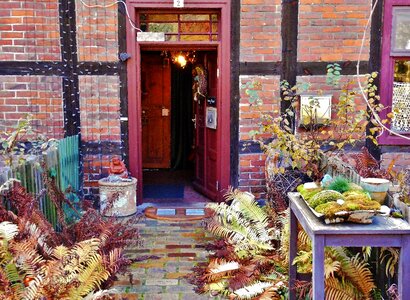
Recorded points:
(217,185)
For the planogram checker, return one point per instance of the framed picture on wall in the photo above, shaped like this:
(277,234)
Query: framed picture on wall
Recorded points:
(211,117)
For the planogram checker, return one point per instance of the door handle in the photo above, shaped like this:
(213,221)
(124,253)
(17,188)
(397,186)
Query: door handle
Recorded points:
(165,112)
(194,121)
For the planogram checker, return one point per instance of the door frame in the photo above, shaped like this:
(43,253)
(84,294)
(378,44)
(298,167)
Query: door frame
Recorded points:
(222,47)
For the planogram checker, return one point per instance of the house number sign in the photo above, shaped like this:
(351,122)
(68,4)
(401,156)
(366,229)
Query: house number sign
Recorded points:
(178,3)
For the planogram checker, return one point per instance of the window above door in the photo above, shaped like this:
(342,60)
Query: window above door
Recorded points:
(177,27)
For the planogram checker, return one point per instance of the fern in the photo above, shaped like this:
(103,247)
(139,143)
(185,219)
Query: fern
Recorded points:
(337,290)
(391,256)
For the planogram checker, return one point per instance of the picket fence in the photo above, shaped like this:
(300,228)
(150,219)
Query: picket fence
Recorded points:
(62,161)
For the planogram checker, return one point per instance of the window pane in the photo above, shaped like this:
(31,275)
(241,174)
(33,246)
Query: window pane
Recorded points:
(194,27)
(401,96)
(195,37)
(401,30)
(163,27)
(192,17)
(214,28)
(162,17)
(171,38)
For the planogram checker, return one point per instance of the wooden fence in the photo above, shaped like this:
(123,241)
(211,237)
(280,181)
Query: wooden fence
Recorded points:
(62,162)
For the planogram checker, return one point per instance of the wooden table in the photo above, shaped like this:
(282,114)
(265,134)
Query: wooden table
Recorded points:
(383,232)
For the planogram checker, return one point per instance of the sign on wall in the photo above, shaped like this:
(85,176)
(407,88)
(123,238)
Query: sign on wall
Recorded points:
(178,3)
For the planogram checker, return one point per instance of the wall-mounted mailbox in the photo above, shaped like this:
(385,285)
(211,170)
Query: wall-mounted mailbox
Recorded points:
(315,110)
(211,117)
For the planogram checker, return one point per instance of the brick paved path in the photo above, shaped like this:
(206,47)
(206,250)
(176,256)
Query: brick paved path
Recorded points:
(179,247)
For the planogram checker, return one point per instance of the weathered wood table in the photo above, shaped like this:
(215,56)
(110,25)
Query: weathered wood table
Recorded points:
(383,232)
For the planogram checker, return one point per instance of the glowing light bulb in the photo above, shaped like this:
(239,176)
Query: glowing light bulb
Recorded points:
(181,60)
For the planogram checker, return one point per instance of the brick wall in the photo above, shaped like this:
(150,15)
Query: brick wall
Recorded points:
(97,31)
(99,108)
(40,96)
(249,114)
(332,30)
(260,30)
(252,165)
(100,123)
(399,158)
(252,173)
(29,30)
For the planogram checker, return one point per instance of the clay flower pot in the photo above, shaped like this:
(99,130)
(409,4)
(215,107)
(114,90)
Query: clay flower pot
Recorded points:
(377,187)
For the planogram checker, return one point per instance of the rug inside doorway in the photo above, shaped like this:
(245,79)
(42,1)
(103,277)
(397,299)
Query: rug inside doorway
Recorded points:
(177,214)
(163,191)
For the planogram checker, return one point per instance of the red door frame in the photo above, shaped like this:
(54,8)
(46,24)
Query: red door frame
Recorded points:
(134,81)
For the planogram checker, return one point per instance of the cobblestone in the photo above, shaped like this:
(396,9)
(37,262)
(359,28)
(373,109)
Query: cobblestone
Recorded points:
(178,248)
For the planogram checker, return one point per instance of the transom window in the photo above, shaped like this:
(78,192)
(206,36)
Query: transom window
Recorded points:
(182,26)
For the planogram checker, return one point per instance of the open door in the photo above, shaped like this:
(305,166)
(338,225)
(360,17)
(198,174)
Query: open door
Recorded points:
(206,146)
(155,111)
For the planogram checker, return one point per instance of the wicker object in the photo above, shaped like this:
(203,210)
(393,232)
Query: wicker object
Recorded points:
(123,194)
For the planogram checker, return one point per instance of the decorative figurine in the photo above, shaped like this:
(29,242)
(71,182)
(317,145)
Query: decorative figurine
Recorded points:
(117,168)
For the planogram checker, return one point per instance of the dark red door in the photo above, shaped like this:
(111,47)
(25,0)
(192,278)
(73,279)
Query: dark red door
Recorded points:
(155,111)
(206,173)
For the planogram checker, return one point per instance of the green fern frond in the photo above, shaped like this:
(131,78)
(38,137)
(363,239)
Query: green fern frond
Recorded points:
(245,203)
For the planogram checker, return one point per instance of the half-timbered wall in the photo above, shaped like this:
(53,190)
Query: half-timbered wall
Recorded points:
(59,62)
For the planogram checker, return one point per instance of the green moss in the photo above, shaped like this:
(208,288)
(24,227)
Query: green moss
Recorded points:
(324,197)
(307,194)
(339,184)
(325,208)
(360,205)
(355,187)
(357,196)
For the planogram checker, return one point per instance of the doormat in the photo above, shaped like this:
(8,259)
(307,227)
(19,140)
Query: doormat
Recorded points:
(163,191)
(177,214)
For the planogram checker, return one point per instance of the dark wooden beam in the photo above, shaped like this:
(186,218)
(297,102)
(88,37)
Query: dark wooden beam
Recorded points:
(70,83)
(58,68)
(122,48)
(302,68)
(98,68)
(375,64)
(102,147)
(289,29)
(319,68)
(68,37)
(252,147)
(55,68)
(249,147)
(235,93)
(261,68)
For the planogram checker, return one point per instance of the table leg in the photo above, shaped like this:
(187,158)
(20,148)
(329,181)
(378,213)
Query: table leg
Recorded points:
(404,269)
(318,267)
(293,241)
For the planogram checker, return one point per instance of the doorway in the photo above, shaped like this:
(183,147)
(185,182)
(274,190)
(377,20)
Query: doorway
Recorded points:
(212,174)
(178,146)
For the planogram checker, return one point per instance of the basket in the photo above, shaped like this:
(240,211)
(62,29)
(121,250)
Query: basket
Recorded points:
(123,194)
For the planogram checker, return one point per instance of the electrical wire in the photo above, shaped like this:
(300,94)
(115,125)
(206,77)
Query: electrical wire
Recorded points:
(374,113)
(112,4)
